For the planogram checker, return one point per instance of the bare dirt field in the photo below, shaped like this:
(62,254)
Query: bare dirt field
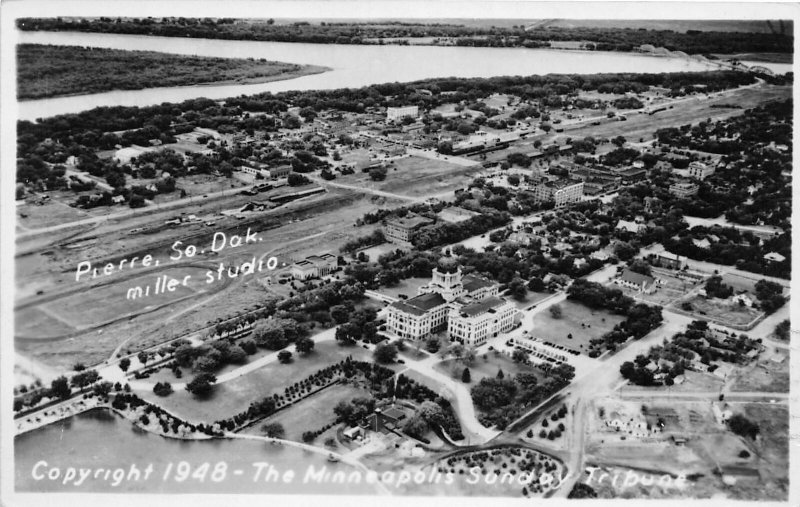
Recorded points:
(762,375)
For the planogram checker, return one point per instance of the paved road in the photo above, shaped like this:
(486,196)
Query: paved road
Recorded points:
(740,396)
(462,402)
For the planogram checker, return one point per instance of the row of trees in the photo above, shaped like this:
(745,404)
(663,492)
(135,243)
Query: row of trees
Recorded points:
(596,38)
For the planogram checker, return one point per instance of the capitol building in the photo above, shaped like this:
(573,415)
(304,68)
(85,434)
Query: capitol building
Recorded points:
(468,307)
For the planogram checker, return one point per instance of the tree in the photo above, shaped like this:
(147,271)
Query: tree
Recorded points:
(581,490)
(378,173)
(782,330)
(162,388)
(347,334)
(339,313)
(143,357)
(273,430)
(432,413)
(304,345)
(640,266)
(297,180)
(433,345)
(385,353)
(102,389)
(84,378)
(415,426)
(59,388)
(465,376)
(491,393)
(742,426)
(124,363)
(517,289)
(285,357)
(236,355)
(270,333)
(556,312)
(202,384)
(519,356)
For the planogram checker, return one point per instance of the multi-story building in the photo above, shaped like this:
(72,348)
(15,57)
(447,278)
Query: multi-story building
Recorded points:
(315,266)
(668,260)
(401,230)
(561,192)
(700,170)
(281,171)
(684,189)
(467,306)
(474,323)
(398,113)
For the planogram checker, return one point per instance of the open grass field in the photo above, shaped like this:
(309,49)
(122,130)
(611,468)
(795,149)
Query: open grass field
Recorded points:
(486,365)
(36,322)
(312,413)
(597,323)
(54,212)
(232,397)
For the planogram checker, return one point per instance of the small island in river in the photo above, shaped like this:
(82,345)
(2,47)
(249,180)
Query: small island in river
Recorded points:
(53,71)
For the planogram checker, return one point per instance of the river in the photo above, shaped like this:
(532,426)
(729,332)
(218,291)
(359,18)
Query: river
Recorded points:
(351,66)
(100,439)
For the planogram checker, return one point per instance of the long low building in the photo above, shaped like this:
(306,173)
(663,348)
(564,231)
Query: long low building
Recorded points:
(315,266)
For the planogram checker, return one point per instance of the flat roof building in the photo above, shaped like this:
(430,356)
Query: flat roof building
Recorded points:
(401,230)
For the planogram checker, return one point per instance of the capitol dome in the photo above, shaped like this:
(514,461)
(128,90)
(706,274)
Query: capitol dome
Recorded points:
(448,264)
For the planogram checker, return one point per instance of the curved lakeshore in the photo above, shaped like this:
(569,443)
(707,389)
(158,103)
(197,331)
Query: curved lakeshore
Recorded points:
(97,438)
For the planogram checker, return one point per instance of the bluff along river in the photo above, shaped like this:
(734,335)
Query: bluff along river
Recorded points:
(351,66)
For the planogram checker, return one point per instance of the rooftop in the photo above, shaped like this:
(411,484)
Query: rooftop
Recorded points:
(472,283)
(419,305)
(637,278)
(410,223)
(482,306)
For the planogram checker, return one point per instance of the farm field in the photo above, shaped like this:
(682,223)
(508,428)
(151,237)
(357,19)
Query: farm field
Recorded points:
(598,322)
